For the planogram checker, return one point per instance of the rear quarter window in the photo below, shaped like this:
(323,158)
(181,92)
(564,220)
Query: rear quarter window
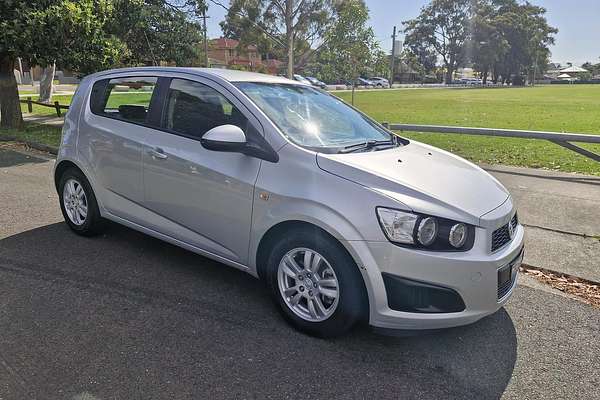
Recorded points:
(126,99)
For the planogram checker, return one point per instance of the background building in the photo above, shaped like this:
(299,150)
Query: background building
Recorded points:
(228,52)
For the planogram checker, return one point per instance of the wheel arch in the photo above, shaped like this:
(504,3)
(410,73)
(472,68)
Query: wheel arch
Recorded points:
(269,237)
(277,230)
(63,165)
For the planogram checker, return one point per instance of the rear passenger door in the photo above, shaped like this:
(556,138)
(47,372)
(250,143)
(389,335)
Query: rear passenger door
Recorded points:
(111,139)
(201,197)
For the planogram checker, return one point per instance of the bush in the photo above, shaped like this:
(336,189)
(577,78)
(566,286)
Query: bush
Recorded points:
(518,81)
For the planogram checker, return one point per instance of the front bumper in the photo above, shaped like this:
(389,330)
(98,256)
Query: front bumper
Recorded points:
(473,275)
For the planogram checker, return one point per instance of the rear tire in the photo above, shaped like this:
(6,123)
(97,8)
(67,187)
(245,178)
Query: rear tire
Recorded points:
(324,299)
(78,204)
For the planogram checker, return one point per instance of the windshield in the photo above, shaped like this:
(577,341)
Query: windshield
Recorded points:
(311,118)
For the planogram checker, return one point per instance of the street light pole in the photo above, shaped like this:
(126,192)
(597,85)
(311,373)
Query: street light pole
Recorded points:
(393,57)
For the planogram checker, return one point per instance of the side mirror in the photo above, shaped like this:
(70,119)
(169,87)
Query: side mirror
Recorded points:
(232,139)
(224,138)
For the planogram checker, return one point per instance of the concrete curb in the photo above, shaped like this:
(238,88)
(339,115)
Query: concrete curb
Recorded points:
(563,274)
(37,146)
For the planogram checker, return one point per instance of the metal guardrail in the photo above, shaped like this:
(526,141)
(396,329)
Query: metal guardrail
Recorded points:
(562,139)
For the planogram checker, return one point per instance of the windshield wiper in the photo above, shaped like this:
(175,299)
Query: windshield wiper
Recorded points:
(367,145)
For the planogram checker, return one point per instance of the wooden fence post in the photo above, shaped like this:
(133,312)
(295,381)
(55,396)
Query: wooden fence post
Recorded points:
(29,105)
(57,106)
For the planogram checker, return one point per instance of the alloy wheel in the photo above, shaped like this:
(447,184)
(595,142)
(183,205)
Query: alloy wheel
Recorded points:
(308,284)
(75,202)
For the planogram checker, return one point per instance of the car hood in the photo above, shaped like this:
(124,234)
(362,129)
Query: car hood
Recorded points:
(423,178)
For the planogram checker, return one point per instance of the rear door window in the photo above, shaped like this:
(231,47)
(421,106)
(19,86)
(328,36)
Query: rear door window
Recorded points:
(192,109)
(127,99)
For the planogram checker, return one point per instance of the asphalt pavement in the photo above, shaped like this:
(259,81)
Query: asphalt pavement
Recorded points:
(126,316)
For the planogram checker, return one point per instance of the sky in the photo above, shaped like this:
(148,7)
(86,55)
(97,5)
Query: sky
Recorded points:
(578,23)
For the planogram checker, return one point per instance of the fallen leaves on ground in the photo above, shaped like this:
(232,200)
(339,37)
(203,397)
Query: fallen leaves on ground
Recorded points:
(587,291)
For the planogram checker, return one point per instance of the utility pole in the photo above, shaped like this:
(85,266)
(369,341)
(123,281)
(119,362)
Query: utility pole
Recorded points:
(393,57)
(206,63)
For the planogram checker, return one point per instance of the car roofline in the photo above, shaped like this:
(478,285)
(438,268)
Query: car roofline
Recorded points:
(231,76)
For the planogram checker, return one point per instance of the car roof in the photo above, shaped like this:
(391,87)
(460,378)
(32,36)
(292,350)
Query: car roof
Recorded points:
(225,74)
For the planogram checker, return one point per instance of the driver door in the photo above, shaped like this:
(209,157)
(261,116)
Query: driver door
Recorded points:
(195,195)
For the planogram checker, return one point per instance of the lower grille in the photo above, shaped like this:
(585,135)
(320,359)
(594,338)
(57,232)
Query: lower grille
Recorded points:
(418,297)
(507,275)
(504,288)
(501,236)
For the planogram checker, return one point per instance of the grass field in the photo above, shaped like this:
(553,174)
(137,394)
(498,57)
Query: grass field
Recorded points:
(563,108)
(573,108)
(45,134)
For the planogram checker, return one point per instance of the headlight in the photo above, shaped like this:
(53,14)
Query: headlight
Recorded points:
(458,235)
(427,231)
(399,226)
(433,233)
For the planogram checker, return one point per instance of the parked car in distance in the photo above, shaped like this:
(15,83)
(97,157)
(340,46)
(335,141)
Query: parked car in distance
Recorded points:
(429,79)
(302,79)
(364,82)
(470,81)
(315,82)
(360,82)
(342,219)
(380,82)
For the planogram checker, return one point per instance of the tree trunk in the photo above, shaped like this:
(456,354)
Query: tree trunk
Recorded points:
(10,108)
(289,32)
(449,73)
(47,83)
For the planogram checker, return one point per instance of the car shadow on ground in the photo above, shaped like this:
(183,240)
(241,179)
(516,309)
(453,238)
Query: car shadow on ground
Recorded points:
(135,313)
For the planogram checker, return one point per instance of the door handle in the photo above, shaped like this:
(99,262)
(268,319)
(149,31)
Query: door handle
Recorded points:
(158,153)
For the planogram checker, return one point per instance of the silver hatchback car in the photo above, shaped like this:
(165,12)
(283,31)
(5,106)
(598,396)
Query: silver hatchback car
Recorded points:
(342,219)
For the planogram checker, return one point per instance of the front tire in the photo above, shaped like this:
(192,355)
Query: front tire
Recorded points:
(316,284)
(78,204)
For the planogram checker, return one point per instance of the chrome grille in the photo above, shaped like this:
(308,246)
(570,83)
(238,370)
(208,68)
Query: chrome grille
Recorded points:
(501,236)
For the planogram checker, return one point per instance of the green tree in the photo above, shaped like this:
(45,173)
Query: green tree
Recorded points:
(266,22)
(157,31)
(442,27)
(381,63)
(594,69)
(420,57)
(348,44)
(41,31)
(349,48)
(487,46)
(528,37)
